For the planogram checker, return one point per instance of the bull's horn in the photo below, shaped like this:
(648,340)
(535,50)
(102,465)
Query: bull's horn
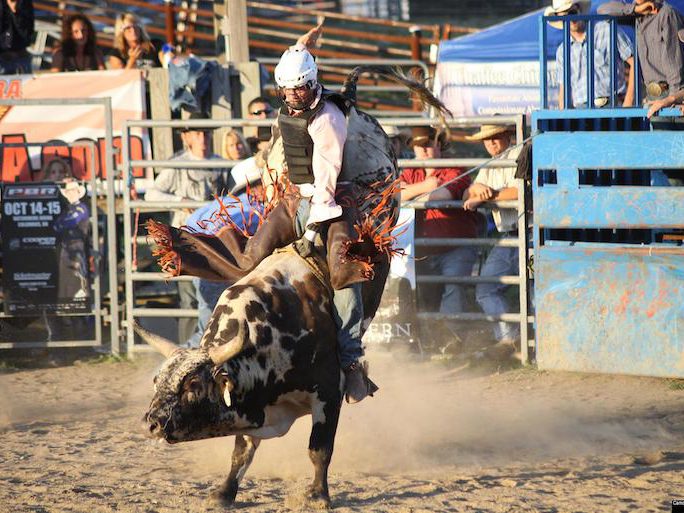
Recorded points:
(221,354)
(161,344)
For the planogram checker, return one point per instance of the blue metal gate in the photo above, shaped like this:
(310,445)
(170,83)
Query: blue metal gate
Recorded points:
(608,254)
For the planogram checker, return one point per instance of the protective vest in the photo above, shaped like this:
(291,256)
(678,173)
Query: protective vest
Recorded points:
(297,143)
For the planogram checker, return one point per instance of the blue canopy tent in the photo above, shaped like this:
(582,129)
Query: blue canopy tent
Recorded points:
(496,70)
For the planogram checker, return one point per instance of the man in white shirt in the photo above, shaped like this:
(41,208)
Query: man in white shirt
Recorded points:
(497,184)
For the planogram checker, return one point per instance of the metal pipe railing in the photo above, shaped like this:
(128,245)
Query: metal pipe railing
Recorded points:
(520,242)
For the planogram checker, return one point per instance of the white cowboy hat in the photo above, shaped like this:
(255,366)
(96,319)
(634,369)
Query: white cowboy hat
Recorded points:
(71,189)
(559,6)
(488,131)
(394,131)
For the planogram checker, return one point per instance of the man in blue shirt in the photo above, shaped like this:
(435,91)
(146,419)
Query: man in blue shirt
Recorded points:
(624,89)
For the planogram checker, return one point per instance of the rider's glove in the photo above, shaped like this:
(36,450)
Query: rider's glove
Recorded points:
(305,246)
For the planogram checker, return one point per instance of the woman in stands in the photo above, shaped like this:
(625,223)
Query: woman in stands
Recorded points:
(234,146)
(78,50)
(133,48)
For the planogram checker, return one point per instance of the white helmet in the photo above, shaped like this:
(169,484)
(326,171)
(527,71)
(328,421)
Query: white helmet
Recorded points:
(296,68)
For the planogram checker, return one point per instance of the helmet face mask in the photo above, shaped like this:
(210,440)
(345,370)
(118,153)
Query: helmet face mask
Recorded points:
(297,72)
(299,98)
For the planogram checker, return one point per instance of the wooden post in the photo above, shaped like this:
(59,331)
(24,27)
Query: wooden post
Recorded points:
(169,22)
(237,39)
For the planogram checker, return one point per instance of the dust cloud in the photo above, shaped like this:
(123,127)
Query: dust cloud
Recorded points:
(423,418)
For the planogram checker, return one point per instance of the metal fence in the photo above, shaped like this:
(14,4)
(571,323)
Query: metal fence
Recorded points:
(97,309)
(132,275)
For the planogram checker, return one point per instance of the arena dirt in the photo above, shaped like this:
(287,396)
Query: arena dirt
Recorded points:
(431,440)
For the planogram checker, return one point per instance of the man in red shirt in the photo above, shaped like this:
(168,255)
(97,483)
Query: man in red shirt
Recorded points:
(441,223)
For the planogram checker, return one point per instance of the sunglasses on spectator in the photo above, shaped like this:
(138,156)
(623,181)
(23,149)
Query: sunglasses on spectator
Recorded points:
(259,112)
(126,27)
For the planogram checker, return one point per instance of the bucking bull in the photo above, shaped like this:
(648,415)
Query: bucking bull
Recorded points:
(269,354)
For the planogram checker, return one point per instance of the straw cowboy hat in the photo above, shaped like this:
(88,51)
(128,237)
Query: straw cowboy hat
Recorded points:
(561,6)
(488,131)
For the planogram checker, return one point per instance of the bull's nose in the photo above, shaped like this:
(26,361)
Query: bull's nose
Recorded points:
(151,426)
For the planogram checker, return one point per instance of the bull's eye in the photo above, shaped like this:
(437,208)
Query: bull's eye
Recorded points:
(193,390)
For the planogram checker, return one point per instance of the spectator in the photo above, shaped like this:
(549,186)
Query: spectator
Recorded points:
(173,185)
(661,59)
(497,184)
(133,48)
(208,292)
(441,184)
(78,50)
(261,141)
(624,90)
(671,99)
(16,31)
(260,108)
(234,146)
(55,170)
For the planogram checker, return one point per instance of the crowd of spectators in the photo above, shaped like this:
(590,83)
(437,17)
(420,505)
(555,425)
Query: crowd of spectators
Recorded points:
(659,35)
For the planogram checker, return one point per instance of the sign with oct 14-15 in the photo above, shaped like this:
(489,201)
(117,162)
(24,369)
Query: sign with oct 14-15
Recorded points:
(33,242)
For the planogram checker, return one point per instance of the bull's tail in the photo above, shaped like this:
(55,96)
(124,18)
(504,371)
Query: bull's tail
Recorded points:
(396,75)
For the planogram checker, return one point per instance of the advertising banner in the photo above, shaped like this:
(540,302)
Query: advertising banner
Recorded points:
(45,249)
(489,88)
(57,125)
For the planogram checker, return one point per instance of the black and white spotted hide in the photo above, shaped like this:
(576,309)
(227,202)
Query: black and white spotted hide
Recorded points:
(268,357)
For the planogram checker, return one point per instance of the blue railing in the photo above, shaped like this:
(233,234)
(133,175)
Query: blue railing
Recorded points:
(590,20)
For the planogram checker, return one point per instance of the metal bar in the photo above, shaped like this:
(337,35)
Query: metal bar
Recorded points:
(375,88)
(506,280)
(613,66)
(523,289)
(128,252)
(469,316)
(420,205)
(467,163)
(590,64)
(162,312)
(147,276)
(543,93)
(63,343)
(357,62)
(111,227)
(97,285)
(637,69)
(505,242)
(567,96)
(466,121)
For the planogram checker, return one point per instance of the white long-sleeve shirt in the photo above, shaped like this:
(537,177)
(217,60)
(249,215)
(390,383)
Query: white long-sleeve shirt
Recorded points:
(328,130)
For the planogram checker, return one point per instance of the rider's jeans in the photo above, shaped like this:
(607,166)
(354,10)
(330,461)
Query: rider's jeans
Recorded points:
(347,305)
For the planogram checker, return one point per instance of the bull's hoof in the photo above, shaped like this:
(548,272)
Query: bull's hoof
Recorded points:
(316,499)
(221,497)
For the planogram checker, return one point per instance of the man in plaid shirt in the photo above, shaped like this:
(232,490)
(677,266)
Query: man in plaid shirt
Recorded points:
(624,88)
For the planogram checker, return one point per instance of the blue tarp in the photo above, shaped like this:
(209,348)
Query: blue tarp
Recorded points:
(513,40)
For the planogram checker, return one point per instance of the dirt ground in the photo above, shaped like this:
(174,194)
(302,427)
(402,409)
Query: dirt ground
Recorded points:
(431,440)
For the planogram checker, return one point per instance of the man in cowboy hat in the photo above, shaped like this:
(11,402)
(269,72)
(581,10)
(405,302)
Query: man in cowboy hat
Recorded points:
(441,184)
(492,185)
(624,89)
(173,185)
(661,58)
